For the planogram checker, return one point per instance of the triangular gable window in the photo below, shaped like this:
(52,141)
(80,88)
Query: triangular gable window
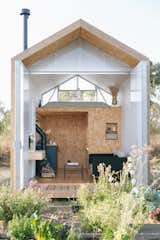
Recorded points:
(76,89)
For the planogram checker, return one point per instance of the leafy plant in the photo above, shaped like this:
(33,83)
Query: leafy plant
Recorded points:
(108,234)
(26,203)
(20,204)
(44,230)
(4,120)
(74,234)
(6,200)
(150,196)
(20,228)
(110,207)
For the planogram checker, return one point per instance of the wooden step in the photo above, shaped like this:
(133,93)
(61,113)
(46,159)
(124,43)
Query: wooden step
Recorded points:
(61,190)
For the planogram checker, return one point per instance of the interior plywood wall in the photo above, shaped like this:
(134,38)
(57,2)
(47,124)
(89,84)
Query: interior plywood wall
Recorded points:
(69,131)
(74,130)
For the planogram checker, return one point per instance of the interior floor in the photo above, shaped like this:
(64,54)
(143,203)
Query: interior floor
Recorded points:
(72,177)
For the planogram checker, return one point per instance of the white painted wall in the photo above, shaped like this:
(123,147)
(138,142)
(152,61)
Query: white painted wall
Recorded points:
(134,107)
(79,56)
(131,110)
(29,128)
(24,126)
(135,115)
(18,126)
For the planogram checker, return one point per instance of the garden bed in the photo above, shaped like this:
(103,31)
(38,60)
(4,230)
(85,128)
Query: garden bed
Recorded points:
(148,232)
(101,213)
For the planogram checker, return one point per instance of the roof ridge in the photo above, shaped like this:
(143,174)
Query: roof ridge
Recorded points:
(88,32)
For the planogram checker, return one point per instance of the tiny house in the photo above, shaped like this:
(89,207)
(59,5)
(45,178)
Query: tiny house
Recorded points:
(79,97)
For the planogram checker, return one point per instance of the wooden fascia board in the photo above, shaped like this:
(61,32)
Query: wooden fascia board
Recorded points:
(110,45)
(51,48)
(87,32)
(51,44)
(12,159)
(109,48)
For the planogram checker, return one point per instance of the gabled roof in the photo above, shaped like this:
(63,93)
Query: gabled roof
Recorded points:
(84,30)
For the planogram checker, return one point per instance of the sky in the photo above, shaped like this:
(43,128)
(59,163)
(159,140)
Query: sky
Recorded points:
(134,22)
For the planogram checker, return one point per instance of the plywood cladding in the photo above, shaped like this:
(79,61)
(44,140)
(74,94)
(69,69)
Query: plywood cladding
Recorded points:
(69,131)
(81,29)
(97,120)
(74,130)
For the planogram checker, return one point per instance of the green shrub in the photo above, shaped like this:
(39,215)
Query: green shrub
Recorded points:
(20,228)
(26,203)
(6,200)
(110,207)
(151,196)
(74,234)
(45,230)
(20,204)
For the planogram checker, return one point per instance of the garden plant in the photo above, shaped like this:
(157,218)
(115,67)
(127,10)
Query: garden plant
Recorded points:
(114,207)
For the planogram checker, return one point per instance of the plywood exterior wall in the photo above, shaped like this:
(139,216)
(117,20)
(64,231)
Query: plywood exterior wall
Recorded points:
(75,132)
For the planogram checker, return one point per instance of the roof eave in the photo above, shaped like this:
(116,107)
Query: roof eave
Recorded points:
(89,33)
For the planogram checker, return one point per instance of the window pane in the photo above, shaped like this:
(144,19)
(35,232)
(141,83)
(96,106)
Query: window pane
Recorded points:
(69,96)
(84,85)
(69,85)
(77,95)
(101,95)
(107,96)
(49,96)
(89,96)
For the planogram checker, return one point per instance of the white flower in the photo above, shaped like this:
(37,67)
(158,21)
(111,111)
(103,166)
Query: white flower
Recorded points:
(129,159)
(110,179)
(132,172)
(135,190)
(133,181)
(130,166)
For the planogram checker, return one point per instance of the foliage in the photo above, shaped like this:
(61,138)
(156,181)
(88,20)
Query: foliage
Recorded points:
(155,74)
(110,207)
(74,234)
(62,232)
(4,130)
(155,214)
(4,120)
(20,204)
(26,203)
(6,199)
(154,117)
(45,230)
(20,228)
(150,196)
(155,98)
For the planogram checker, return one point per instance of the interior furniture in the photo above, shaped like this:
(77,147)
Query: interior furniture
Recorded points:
(51,156)
(72,168)
(40,145)
(36,155)
(115,162)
